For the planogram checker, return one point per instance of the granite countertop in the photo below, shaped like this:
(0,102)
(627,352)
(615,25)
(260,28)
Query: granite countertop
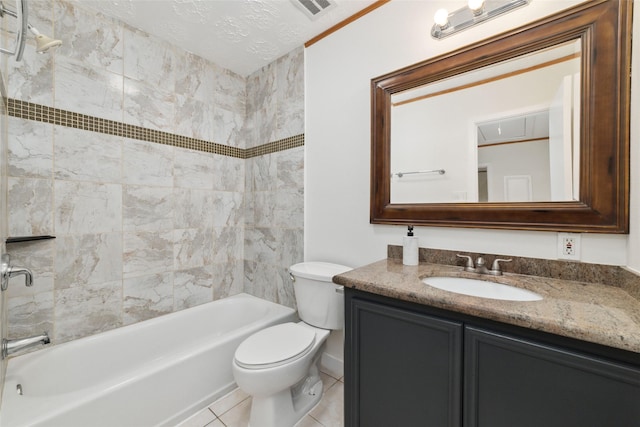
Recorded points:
(597,313)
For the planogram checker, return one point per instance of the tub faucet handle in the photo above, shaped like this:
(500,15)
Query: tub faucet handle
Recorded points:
(7,271)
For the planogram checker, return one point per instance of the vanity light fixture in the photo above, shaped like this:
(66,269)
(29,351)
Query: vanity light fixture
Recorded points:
(477,11)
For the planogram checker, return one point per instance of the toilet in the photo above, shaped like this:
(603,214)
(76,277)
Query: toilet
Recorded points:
(278,366)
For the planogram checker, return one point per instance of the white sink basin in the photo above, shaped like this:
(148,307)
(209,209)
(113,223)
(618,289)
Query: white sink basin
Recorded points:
(481,288)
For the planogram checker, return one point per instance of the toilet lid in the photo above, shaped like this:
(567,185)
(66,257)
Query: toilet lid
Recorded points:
(275,345)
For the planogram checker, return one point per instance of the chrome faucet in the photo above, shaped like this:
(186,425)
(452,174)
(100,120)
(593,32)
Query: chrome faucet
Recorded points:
(480,265)
(12,346)
(7,271)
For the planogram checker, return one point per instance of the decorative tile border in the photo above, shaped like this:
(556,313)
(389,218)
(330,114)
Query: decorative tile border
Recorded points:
(42,113)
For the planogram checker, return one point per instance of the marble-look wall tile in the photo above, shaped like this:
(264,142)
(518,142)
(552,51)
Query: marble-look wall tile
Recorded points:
(147,252)
(86,310)
(264,208)
(261,280)
(31,79)
(192,287)
(30,203)
(290,247)
(89,36)
(230,91)
(87,90)
(87,259)
(228,279)
(192,248)
(228,244)
(264,173)
(147,208)
(261,244)
(195,77)
(147,163)
(249,210)
(149,106)
(195,119)
(193,169)
(228,173)
(149,59)
(87,156)
(146,297)
(290,94)
(30,315)
(290,168)
(86,207)
(262,105)
(285,294)
(30,151)
(289,210)
(227,208)
(146,229)
(227,127)
(193,208)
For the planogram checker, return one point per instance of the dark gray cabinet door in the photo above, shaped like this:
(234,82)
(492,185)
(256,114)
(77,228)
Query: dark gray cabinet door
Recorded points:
(511,382)
(402,368)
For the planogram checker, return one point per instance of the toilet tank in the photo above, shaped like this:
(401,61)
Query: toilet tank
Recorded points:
(317,297)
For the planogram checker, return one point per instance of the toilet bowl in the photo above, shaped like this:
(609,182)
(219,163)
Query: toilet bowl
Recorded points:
(279,366)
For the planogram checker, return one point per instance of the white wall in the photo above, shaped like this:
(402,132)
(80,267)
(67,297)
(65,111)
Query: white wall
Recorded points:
(337,165)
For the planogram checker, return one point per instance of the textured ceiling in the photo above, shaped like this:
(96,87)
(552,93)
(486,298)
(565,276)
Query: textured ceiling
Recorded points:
(240,35)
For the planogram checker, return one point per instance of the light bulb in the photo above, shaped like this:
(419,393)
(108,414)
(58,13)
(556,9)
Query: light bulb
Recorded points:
(476,6)
(441,17)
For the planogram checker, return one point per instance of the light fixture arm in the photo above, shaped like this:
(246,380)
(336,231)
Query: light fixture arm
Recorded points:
(466,17)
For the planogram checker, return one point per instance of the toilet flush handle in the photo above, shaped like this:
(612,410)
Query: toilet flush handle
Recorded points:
(293,278)
(340,289)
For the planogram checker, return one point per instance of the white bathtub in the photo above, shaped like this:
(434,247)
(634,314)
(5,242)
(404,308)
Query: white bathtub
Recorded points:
(152,373)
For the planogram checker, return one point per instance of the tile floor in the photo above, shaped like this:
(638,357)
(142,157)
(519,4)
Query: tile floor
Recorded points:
(232,410)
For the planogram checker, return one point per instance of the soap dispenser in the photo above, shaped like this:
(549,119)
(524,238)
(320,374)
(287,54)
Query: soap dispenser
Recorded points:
(410,248)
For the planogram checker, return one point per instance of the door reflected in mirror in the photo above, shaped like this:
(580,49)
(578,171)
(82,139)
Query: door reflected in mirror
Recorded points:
(504,133)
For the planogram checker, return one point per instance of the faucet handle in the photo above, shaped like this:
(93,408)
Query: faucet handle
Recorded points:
(468,264)
(496,264)
(7,271)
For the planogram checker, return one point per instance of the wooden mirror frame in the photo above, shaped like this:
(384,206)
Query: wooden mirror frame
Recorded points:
(604,29)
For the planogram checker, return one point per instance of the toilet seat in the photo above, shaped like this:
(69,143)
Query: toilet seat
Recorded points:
(275,346)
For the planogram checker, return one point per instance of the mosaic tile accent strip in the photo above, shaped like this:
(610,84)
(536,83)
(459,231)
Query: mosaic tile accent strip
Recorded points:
(42,113)
(275,146)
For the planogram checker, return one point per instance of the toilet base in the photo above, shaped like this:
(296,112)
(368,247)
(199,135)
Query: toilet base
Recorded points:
(286,408)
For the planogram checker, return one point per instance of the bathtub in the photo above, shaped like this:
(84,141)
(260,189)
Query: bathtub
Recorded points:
(153,373)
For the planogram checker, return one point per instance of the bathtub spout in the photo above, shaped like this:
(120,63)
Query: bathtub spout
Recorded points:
(12,346)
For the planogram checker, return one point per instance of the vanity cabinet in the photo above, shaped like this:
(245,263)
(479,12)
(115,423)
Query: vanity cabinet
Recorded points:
(515,382)
(410,365)
(405,370)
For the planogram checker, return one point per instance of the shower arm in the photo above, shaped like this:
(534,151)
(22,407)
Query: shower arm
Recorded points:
(22,15)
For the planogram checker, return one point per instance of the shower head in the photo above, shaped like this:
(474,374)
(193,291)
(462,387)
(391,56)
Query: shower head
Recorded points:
(43,43)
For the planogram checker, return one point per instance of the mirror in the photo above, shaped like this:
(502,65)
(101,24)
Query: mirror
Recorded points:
(489,131)
(526,130)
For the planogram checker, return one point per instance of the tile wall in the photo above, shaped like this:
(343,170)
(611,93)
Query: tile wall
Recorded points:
(147,228)
(274,192)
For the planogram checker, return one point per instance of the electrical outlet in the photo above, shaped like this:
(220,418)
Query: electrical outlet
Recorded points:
(569,246)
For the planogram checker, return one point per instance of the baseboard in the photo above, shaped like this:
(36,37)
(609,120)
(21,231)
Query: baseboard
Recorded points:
(332,365)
